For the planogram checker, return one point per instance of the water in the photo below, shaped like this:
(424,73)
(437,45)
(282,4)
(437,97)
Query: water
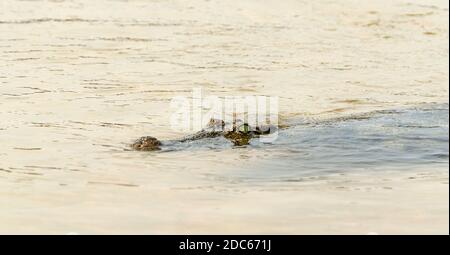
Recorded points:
(400,139)
(304,182)
(81,79)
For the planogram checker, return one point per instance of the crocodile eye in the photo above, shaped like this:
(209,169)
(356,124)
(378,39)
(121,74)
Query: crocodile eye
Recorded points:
(244,128)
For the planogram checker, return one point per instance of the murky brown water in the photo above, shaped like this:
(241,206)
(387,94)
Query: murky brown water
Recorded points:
(79,80)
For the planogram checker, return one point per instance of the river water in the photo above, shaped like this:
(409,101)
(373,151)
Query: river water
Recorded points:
(362,87)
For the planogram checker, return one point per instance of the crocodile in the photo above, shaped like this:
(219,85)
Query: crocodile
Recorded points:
(240,134)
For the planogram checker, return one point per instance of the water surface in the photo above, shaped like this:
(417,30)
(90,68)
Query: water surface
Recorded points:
(81,79)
